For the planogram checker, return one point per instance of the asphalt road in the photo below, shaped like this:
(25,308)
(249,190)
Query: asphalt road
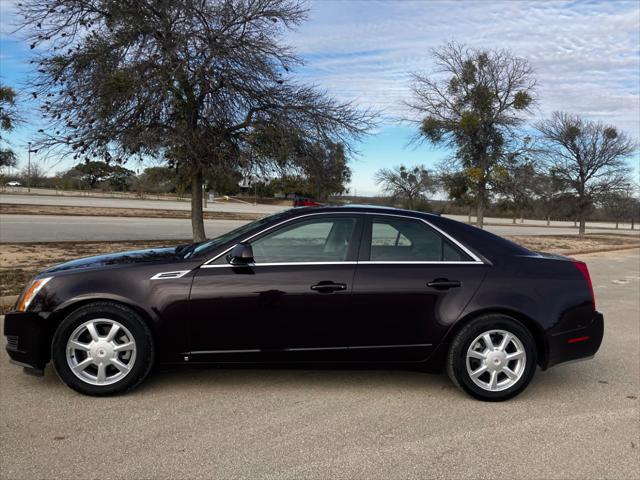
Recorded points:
(90,201)
(237,207)
(575,421)
(52,228)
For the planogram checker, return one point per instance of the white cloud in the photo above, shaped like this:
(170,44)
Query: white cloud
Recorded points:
(586,55)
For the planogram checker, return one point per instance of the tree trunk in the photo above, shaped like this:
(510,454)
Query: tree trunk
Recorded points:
(514,219)
(617,224)
(480,205)
(632,223)
(583,226)
(469,217)
(548,220)
(197,220)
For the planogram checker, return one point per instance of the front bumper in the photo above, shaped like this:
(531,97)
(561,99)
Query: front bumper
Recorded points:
(577,344)
(28,339)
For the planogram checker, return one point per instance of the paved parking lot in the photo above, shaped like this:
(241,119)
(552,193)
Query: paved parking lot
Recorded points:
(575,421)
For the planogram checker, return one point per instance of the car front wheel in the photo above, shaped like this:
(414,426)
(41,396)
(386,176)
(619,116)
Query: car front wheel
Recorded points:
(102,348)
(493,358)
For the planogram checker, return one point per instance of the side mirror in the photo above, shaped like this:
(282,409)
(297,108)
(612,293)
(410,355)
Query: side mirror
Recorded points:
(241,254)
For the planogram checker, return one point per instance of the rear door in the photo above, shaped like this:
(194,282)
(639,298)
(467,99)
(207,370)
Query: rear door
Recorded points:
(412,281)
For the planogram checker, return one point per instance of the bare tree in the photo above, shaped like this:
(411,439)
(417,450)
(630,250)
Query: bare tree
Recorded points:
(515,182)
(36,175)
(409,184)
(547,189)
(619,205)
(184,80)
(473,101)
(588,157)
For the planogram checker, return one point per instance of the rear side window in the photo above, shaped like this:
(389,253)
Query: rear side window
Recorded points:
(400,240)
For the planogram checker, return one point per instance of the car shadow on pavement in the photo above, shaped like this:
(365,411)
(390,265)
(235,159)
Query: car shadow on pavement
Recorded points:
(210,378)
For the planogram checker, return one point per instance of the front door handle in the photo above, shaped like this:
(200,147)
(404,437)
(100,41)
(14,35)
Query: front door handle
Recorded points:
(328,287)
(444,284)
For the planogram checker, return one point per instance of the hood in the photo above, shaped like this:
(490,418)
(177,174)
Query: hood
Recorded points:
(119,258)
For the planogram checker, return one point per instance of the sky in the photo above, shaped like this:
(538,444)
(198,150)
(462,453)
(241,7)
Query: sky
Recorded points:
(585,54)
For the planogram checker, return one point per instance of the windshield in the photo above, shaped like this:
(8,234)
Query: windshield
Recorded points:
(225,237)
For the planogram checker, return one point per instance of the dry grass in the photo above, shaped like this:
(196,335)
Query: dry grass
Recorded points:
(19,262)
(572,244)
(10,209)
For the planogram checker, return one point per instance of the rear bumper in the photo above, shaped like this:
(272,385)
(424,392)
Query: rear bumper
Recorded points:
(28,338)
(576,344)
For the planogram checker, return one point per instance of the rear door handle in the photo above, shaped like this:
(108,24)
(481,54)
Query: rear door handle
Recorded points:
(328,287)
(444,284)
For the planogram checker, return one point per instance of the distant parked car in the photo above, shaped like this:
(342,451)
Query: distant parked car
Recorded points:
(14,184)
(313,285)
(300,201)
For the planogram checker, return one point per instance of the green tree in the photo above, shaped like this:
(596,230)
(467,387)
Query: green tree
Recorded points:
(159,179)
(325,169)
(280,152)
(93,172)
(224,182)
(588,157)
(406,184)
(288,184)
(8,119)
(186,81)
(473,102)
(120,178)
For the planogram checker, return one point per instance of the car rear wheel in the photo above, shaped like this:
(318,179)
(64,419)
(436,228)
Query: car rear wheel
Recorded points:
(493,358)
(102,348)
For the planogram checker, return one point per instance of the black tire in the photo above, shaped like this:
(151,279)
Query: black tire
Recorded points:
(104,310)
(457,356)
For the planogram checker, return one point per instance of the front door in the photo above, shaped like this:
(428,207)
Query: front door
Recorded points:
(291,304)
(411,283)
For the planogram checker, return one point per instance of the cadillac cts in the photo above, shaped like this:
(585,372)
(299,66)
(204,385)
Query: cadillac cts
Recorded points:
(339,285)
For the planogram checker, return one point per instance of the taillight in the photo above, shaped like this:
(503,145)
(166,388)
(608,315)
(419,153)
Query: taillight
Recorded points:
(585,273)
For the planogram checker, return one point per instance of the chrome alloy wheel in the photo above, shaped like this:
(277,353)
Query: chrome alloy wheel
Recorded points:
(101,351)
(496,360)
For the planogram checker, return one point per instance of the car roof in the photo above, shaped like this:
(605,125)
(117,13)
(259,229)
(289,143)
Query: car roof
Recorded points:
(361,209)
(482,242)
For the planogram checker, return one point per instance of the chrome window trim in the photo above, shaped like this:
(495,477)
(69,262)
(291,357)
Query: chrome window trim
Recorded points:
(476,260)
(419,262)
(364,262)
(281,264)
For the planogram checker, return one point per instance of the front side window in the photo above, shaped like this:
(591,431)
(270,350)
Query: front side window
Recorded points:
(315,240)
(399,240)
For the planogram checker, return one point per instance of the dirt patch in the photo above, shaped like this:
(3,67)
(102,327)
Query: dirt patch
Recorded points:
(573,245)
(10,209)
(20,262)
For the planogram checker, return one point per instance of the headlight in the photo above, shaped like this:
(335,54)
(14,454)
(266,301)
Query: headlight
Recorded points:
(31,292)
